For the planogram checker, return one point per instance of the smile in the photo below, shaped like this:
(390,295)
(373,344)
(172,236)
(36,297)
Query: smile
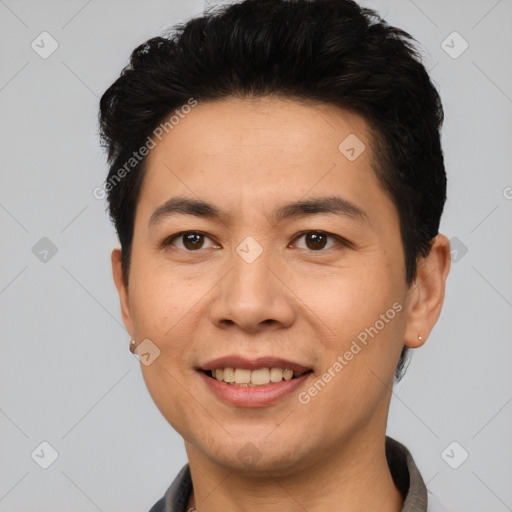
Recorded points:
(253,383)
(251,378)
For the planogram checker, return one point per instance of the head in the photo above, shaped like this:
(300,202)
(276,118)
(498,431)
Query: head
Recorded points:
(233,117)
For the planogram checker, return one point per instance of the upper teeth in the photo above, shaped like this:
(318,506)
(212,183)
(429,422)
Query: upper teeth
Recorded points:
(260,376)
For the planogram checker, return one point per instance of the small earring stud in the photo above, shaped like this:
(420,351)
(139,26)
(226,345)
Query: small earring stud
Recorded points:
(132,346)
(420,338)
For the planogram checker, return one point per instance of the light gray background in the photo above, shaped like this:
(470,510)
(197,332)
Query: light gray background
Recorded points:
(66,376)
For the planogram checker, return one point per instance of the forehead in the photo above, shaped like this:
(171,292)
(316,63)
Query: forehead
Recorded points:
(268,128)
(263,147)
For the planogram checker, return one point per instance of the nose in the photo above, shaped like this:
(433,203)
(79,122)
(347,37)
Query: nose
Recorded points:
(253,297)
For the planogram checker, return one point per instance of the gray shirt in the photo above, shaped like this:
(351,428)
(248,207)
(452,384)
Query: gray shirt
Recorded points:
(405,474)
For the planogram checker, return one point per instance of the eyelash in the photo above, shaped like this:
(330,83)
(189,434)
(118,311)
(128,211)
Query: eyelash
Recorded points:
(340,241)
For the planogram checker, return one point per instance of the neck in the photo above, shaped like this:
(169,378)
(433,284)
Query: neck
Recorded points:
(355,477)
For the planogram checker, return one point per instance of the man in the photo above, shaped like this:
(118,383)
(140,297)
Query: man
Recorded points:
(277,181)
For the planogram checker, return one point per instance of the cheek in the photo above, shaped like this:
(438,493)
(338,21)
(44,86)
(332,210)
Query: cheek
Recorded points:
(159,302)
(163,311)
(349,301)
(363,322)
(359,363)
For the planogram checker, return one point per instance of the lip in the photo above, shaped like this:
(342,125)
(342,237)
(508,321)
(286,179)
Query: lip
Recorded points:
(257,396)
(254,364)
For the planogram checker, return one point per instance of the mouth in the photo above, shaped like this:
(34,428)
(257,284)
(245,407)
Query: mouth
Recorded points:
(263,371)
(256,383)
(253,378)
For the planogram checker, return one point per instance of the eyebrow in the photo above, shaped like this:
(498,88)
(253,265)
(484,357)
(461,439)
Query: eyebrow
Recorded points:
(331,205)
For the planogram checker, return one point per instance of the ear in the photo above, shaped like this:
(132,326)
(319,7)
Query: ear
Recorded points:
(426,294)
(122,289)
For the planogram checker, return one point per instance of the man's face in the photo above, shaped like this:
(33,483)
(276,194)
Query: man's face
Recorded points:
(286,292)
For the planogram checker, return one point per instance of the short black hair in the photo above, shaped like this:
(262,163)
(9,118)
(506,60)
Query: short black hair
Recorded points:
(328,51)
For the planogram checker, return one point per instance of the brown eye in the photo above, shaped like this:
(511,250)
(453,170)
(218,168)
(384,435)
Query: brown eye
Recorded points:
(190,241)
(193,241)
(315,241)
(318,240)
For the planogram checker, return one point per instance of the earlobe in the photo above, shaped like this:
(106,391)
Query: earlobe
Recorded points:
(122,289)
(427,292)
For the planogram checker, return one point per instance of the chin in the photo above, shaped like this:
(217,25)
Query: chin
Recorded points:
(254,453)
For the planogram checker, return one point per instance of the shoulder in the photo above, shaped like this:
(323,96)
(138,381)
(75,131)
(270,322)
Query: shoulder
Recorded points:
(177,495)
(409,481)
(159,506)
(434,505)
